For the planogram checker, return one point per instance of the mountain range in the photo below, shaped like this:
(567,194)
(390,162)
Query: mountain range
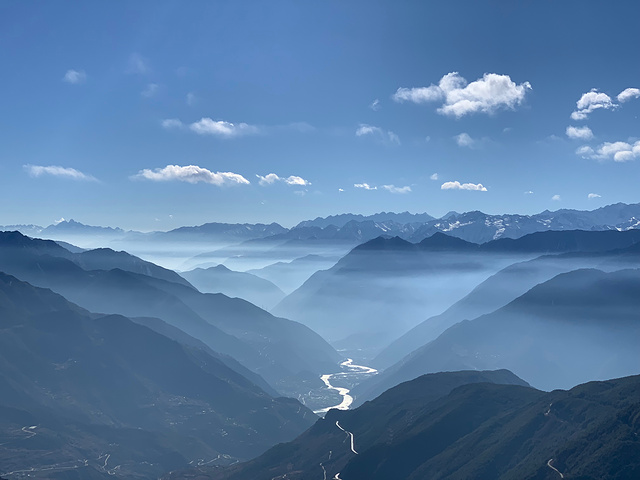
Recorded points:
(278,349)
(579,326)
(388,285)
(91,396)
(477,227)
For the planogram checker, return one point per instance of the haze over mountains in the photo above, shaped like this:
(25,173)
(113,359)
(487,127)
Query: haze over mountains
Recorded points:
(114,366)
(336,234)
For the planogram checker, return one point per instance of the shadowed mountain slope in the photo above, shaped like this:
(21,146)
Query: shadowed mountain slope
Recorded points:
(111,392)
(275,348)
(448,426)
(576,327)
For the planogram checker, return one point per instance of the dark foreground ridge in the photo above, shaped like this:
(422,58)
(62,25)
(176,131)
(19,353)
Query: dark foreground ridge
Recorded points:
(449,426)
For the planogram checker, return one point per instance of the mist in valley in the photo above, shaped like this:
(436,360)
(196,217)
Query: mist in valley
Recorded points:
(319,240)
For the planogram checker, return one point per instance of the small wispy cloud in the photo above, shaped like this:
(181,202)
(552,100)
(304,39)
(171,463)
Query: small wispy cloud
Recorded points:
(529,192)
(137,64)
(58,171)
(394,189)
(74,77)
(272,178)
(150,90)
(191,99)
(478,187)
(434,176)
(593,195)
(381,135)
(172,123)
(488,94)
(465,140)
(556,198)
(223,129)
(579,133)
(364,186)
(375,105)
(190,174)
(341,189)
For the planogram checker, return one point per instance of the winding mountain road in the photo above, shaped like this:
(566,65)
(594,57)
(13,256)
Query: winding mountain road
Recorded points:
(554,468)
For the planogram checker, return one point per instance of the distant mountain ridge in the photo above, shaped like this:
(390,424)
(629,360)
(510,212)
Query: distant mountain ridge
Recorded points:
(342,219)
(474,226)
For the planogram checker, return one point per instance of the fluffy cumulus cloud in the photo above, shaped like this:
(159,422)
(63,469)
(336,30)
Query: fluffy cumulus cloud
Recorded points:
(580,133)
(220,128)
(463,186)
(593,195)
(272,178)
(488,94)
(590,101)
(628,94)
(191,174)
(57,171)
(394,189)
(378,133)
(616,151)
(364,186)
(74,77)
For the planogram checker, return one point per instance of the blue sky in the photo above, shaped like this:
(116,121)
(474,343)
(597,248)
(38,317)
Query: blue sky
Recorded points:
(152,115)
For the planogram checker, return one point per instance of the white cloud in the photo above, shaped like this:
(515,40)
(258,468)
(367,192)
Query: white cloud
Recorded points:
(375,105)
(434,176)
(171,123)
(191,99)
(488,94)
(220,128)
(272,178)
(150,90)
(582,133)
(556,198)
(341,189)
(616,151)
(366,186)
(394,189)
(593,195)
(529,192)
(463,186)
(464,140)
(137,64)
(57,171)
(74,76)
(628,94)
(191,174)
(377,132)
(590,101)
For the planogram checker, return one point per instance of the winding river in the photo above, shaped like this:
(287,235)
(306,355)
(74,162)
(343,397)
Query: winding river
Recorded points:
(350,370)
